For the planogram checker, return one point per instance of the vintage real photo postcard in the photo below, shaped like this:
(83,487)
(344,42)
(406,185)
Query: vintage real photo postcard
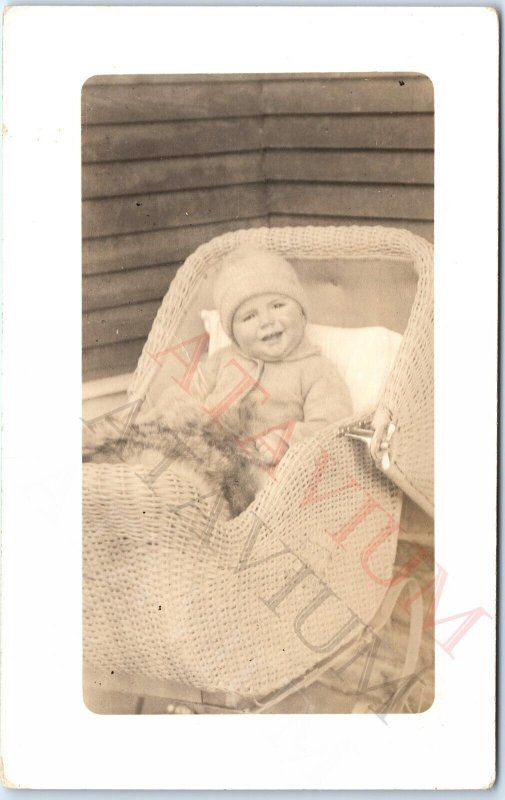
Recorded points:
(258,357)
(261,275)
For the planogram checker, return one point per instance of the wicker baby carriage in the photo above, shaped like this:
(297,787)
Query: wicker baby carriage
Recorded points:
(177,595)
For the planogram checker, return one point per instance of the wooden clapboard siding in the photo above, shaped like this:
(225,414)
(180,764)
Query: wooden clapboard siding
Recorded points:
(362,166)
(130,103)
(349,95)
(240,77)
(149,80)
(155,80)
(118,324)
(169,174)
(352,200)
(136,213)
(354,131)
(159,139)
(111,359)
(169,162)
(129,286)
(114,253)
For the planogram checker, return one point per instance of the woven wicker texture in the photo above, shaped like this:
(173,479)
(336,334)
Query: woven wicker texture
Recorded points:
(174,590)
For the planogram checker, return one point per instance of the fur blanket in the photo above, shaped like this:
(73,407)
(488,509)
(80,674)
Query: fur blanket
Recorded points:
(191,444)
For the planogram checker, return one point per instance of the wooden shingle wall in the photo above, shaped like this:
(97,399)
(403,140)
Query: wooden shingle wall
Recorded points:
(171,161)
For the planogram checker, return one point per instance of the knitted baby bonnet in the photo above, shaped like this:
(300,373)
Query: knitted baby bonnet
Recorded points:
(247,272)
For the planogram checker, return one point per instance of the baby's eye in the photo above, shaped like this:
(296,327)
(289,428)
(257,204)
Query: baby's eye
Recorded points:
(248,316)
(279,305)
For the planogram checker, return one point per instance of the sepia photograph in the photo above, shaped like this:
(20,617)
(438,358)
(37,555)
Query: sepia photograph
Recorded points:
(257,366)
(251,285)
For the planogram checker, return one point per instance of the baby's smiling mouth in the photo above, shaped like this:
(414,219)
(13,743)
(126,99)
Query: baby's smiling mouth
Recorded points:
(270,337)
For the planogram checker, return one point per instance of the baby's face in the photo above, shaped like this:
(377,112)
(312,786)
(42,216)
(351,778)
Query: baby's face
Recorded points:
(268,326)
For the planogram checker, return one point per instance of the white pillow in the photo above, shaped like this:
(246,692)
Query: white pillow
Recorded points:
(363,356)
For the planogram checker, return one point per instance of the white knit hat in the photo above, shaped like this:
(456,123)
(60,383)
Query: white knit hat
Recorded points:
(248,271)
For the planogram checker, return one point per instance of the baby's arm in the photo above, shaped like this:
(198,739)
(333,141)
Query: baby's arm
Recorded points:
(327,400)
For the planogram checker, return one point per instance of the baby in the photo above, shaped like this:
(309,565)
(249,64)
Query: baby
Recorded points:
(271,387)
(251,400)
